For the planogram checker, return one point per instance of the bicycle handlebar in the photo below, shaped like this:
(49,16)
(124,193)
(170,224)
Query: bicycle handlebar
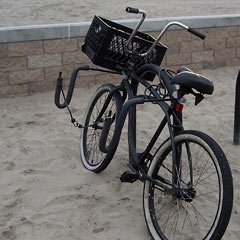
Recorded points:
(136,11)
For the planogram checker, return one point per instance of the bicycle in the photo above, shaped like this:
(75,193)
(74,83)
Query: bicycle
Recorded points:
(189,170)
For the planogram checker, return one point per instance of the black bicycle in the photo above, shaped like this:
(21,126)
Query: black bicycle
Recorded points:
(188,189)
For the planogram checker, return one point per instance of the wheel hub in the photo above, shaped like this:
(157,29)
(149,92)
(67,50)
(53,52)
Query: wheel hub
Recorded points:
(186,194)
(97,125)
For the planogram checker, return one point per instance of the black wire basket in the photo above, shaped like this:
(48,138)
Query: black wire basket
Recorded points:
(105,46)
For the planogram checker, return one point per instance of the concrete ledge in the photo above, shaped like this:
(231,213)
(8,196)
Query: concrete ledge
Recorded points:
(43,32)
(31,57)
(71,30)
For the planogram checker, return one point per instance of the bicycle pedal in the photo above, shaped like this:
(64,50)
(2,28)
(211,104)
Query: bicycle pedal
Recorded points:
(130,177)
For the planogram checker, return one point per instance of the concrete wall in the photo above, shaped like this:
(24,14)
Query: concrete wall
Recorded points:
(32,56)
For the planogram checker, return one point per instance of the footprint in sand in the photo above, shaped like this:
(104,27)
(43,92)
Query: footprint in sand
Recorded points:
(29,171)
(10,165)
(19,124)
(27,124)
(9,233)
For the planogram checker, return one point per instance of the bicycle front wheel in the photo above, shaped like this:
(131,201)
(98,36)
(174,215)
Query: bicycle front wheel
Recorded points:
(92,158)
(200,207)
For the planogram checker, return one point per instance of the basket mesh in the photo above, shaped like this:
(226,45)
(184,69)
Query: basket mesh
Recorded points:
(105,41)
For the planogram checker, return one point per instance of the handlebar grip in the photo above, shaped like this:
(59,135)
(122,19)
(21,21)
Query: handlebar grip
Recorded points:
(132,10)
(198,34)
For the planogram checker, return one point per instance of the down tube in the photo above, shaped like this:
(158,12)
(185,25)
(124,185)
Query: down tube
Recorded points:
(132,121)
(132,91)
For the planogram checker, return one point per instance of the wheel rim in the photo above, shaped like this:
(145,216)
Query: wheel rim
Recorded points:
(175,218)
(91,135)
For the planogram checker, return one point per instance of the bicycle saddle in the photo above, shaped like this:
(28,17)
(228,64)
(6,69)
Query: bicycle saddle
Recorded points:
(188,79)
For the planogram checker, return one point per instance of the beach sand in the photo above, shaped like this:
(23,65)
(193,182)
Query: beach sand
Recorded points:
(45,192)
(31,12)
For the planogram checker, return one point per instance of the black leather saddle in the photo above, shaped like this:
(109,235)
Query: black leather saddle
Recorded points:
(190,80)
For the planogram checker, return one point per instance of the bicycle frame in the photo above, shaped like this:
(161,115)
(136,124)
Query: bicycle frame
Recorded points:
(129,86)
(170,170)
(130,90)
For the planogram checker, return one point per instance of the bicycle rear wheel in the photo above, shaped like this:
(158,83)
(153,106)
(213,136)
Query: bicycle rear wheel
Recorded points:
(92,158)
(201,207)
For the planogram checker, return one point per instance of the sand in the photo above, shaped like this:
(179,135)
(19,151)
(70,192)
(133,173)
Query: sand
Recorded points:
(30,12)
(45,192)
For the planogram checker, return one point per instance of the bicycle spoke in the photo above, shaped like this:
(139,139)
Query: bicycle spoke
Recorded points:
(177,217)
(202,180)
(204,168)
(168,218)
(208,193)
